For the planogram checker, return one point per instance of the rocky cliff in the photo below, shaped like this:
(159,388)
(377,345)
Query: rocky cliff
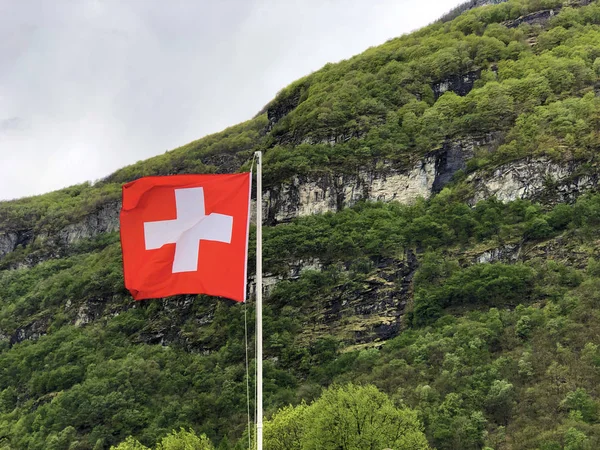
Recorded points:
(538,179)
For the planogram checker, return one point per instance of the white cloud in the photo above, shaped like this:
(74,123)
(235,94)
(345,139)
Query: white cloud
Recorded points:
(89,86)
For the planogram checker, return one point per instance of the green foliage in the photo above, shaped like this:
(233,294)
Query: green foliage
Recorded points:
(490,284)
(580,402)
(349,417)
(500,401)
(576,440)
(130,444)
(286,429)
(184,440)
(561,128)
(72,371)
(538,229)
(176,440)
(562,64)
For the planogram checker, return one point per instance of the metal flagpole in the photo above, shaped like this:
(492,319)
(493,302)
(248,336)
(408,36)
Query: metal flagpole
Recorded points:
(259,291)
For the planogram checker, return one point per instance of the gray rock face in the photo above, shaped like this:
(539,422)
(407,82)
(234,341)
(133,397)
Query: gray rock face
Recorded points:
(8,242)
(296,268)
(508,254)
(282,106)
(533,179)
(330,193)
(459,84)
(31,331)
(538,17)
(373,312)
(104,220)
(470,4)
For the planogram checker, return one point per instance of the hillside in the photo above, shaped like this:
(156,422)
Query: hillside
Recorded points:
(433,227)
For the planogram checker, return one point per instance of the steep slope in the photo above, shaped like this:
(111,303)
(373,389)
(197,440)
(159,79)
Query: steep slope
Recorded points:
(466,6)
(469,293)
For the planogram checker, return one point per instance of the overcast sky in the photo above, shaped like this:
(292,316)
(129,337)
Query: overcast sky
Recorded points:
(88,86)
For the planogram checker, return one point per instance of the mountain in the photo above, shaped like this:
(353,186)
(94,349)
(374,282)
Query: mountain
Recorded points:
(433,221)
(466,6)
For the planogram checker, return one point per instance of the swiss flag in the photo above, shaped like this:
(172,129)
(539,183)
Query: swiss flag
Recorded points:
(186,234)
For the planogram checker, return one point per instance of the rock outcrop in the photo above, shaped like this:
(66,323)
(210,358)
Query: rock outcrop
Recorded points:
(508,253)
(104,220)
(538,179)
(471,4)
(534,179)
(8,243)
(538,17)
(283,104)
(331,193)
(459,84)
(53,244)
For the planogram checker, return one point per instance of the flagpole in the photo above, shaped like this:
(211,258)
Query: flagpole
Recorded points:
(259,291)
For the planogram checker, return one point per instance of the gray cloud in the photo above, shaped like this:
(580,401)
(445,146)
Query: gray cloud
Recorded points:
(88,86)
(12,123)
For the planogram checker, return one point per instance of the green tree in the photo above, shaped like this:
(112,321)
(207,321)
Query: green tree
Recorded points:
(580,401)
(537,229)
(360,418)
(185,440)
(500,401)
(130,444)
(8,399)
(285,430)
(61,440)
(576,440)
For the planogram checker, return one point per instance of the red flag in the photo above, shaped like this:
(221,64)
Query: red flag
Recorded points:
(186,234)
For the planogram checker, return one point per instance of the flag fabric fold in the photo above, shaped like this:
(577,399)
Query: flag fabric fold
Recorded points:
(186,234)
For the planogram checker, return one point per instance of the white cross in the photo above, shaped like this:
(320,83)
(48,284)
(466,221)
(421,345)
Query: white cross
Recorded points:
(191,226)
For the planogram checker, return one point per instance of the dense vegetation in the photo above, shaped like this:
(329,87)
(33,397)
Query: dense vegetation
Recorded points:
(465,357)
(495,344)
